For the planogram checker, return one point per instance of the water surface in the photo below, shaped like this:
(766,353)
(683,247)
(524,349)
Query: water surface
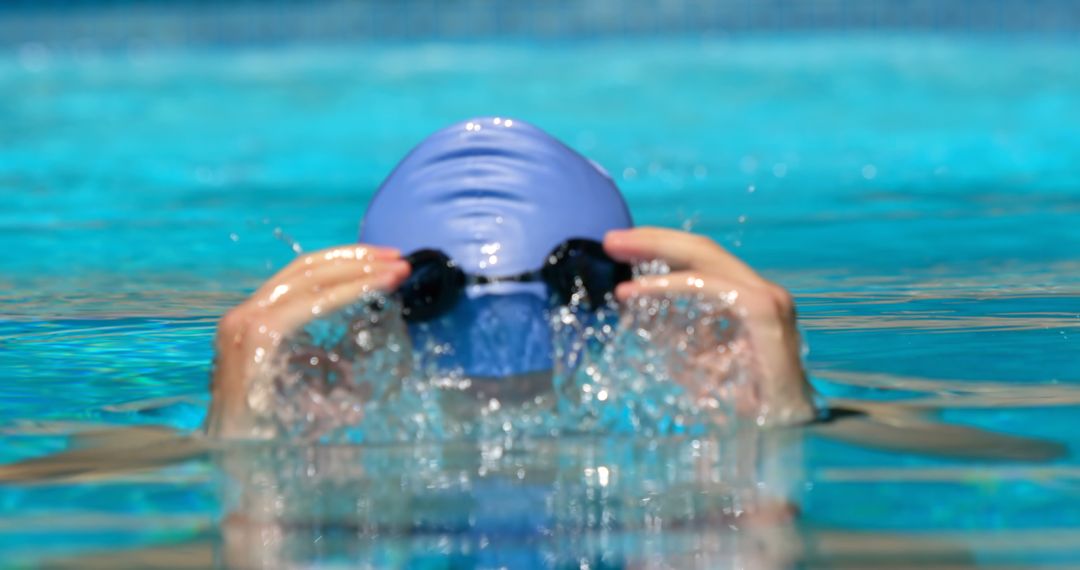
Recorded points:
(920,195)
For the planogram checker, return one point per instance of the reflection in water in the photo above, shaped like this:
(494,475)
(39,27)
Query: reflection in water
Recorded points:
(742,499)
(615,503)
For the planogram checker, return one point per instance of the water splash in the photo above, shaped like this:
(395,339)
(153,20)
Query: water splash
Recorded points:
(288,240)
(654,366)
(352,369)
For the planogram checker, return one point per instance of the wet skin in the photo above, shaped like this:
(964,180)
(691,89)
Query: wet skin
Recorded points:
(325,281)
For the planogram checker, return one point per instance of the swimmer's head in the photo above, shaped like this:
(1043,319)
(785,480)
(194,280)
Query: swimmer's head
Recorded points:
(497,196)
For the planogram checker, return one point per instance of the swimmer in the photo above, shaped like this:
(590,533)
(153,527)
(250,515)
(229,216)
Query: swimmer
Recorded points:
(508,200)
(477,229)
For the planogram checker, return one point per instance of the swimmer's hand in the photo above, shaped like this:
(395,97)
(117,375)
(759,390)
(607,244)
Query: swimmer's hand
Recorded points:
(314,284)
(777,392)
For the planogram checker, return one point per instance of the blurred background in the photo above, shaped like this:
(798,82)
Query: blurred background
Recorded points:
(240,21)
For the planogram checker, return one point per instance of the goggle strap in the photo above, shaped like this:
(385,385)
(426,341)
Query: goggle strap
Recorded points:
(527,277)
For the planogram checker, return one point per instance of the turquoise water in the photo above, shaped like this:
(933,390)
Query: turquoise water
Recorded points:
(920,195)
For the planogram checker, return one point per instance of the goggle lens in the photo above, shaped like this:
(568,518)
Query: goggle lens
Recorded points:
(575,267)
(433,286)
(581,267)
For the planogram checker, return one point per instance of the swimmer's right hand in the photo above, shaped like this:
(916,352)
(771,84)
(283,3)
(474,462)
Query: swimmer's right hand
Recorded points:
(314,284)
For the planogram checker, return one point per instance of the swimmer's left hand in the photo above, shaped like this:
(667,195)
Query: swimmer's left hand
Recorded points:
(778,392)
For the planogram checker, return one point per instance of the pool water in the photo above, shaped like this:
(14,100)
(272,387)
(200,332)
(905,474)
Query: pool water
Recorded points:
(919,194)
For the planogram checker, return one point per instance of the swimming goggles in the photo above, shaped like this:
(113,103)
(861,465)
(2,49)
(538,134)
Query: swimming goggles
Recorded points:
(577,269)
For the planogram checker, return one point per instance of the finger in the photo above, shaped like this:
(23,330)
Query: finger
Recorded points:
(757,300)
(680,250)
(677,283)
(316,275)
(322,276)
(358,253)
(302,308)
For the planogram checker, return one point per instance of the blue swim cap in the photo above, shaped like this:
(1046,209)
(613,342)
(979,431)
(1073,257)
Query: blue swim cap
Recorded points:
(496,195)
